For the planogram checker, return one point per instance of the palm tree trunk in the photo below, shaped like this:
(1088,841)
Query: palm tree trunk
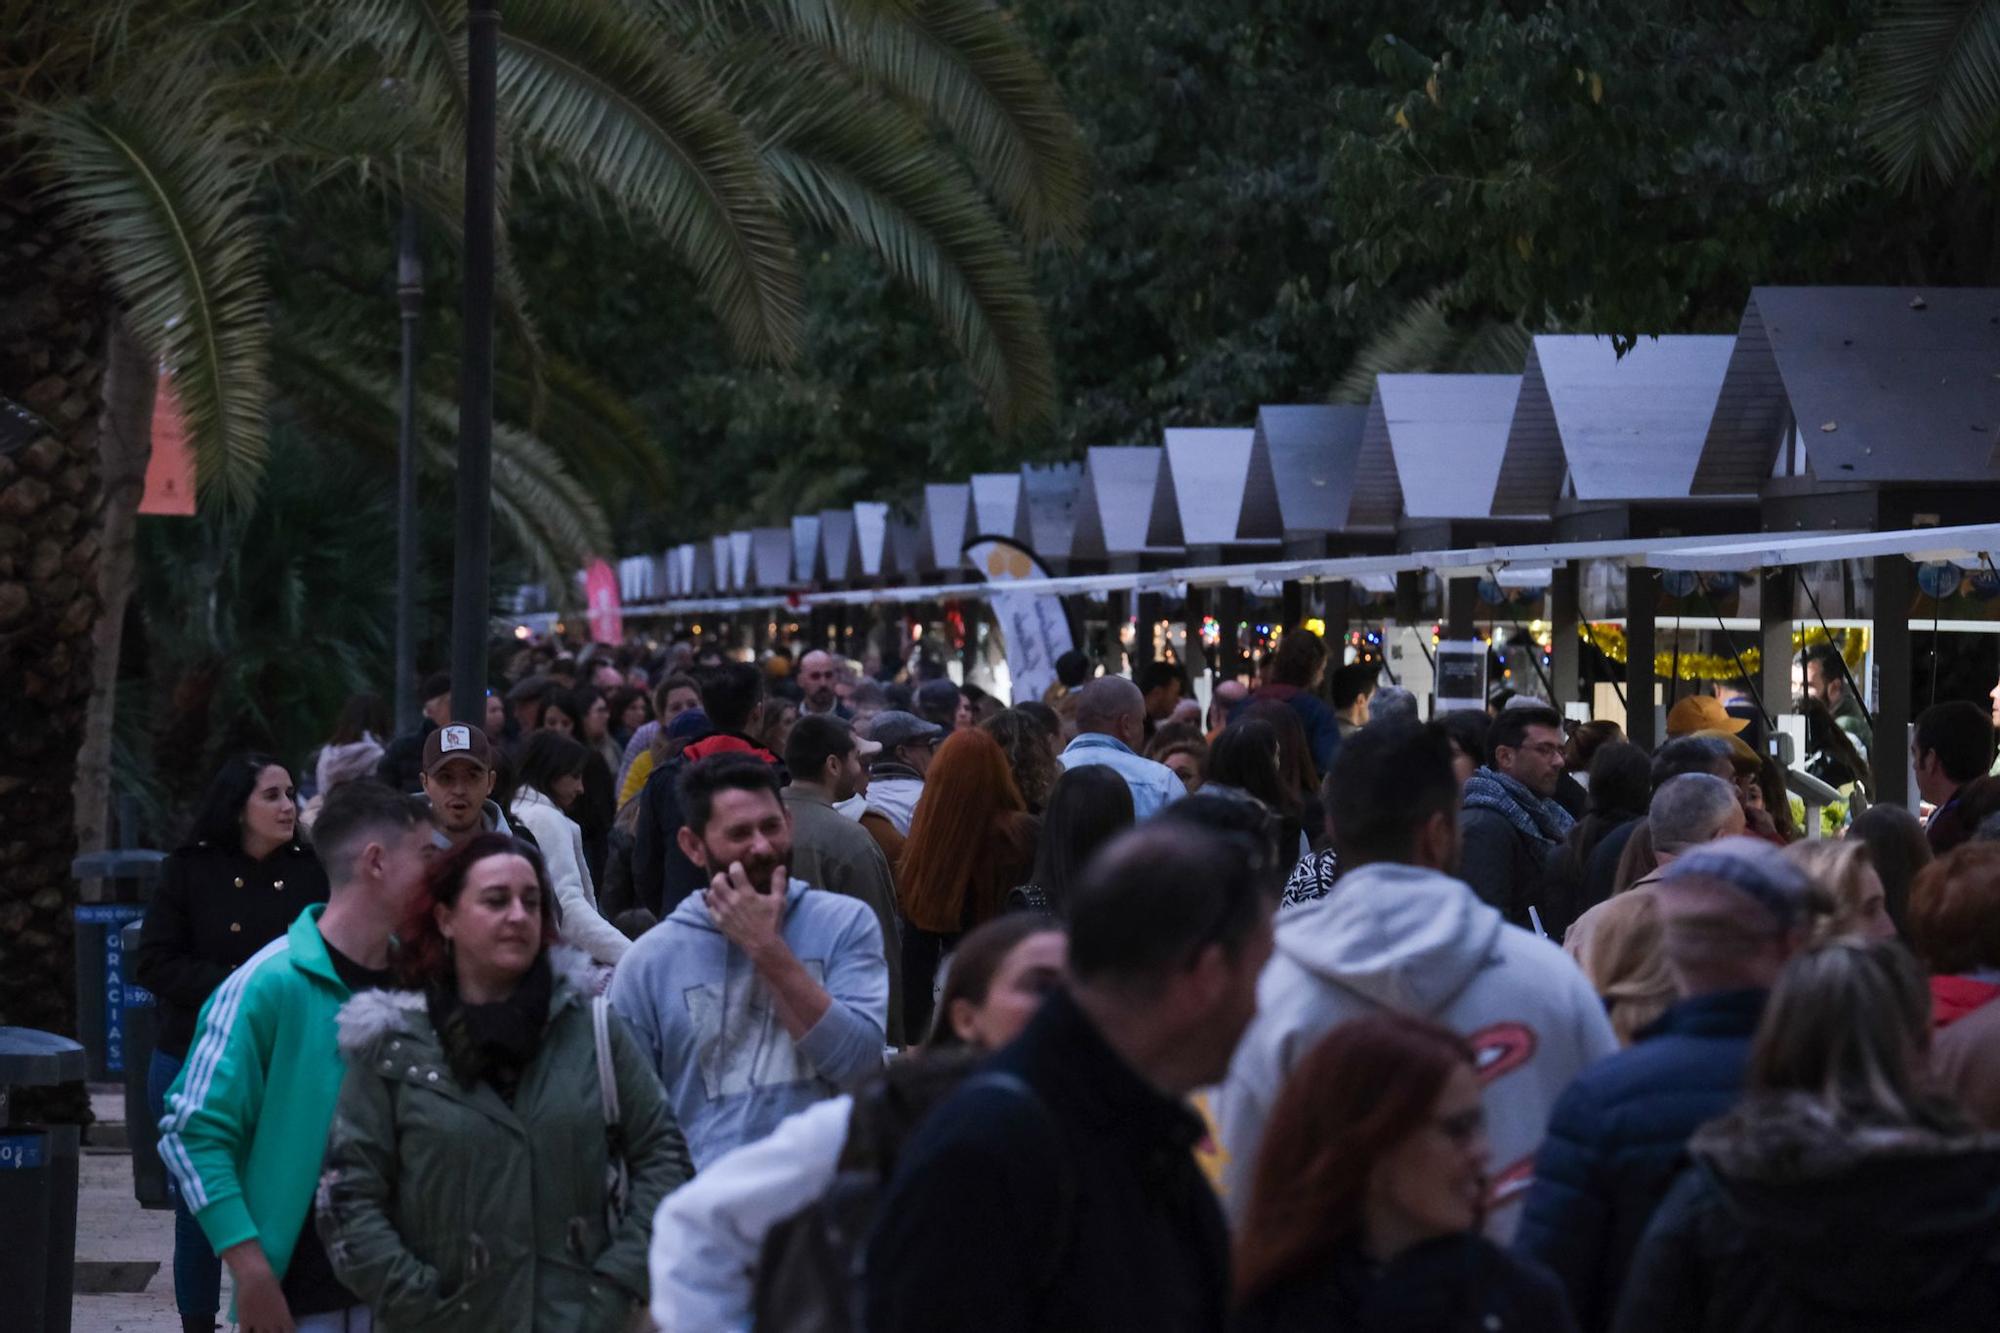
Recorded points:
(124,447)
(53,316)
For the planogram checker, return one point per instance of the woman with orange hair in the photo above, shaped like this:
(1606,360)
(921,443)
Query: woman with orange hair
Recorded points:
(971,840)
(1369,1192)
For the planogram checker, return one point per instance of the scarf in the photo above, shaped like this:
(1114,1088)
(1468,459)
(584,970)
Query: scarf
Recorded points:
(1536,818)
(493,1043)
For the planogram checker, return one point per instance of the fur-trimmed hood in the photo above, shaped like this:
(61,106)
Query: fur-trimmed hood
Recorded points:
(1912,1206)
(372,1015)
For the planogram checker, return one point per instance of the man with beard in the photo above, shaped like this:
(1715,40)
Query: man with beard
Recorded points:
(759,995)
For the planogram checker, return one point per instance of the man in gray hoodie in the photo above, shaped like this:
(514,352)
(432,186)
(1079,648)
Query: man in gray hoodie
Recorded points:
(760,995)
(1398,932)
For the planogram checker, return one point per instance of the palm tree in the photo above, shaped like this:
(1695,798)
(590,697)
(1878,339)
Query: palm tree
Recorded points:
(1931,88)
(147,145)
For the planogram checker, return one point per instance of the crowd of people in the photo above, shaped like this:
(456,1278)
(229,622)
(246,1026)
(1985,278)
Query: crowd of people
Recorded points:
(729,994)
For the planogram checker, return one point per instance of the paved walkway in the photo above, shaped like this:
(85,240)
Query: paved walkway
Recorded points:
(111,1227)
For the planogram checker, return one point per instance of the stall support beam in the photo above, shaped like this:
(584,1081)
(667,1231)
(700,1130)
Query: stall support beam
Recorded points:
(1150,611)
(1642,603)
(1293,596)
(1409,597)
(1461,598)
(1775,591)
(1895,585)
(1193,609)
(1335,610)
(1229,651)
(1565,648)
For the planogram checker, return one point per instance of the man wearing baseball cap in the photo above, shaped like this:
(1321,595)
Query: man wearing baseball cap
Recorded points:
(458,783)
(896,776)
(1702,712)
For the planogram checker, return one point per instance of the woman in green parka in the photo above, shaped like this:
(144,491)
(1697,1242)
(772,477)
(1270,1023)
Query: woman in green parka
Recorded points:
(472,1176)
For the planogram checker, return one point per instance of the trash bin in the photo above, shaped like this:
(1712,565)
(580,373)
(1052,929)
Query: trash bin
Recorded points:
(38,1179)
(142,1132)
(100,953)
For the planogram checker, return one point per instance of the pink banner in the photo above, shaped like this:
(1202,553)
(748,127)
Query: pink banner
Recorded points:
(600,592)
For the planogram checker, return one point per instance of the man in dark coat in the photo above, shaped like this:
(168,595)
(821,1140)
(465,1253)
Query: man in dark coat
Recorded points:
(1512,823)
(662,875)
(1734,911)
(1057,1189)
(402,765)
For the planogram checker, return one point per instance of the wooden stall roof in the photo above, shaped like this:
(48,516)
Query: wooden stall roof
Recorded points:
(941,527)
(1301,473)
(1050,495)
(1884,385)
(1115,505)
(1432,446)
(997,506)
(1600,427)
(1198,493)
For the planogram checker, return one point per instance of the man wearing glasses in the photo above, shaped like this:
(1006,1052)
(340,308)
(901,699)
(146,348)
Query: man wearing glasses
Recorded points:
(1512,822)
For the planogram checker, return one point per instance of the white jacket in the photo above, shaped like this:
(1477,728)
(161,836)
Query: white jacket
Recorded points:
(1401,938)
(561,842)
(709,1232)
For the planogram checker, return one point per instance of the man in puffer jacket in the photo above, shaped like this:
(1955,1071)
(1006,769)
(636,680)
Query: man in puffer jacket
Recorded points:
(1398,932)
(1735,911)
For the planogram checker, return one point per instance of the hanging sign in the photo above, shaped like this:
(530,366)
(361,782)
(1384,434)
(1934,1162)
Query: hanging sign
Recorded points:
(170,468)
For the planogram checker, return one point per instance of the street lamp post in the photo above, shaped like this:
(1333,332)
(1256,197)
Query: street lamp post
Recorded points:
(470,606)
(410,299)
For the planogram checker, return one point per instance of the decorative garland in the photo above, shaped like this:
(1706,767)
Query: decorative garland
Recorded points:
(1610,640)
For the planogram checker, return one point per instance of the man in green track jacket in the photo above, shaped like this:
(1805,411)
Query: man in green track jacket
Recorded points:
(246,1124)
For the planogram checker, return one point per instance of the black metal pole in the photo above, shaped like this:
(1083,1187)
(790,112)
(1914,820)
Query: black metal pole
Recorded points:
(410,298)
(470,599)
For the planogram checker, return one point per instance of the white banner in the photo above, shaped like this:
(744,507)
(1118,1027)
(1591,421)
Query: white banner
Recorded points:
(1032,625)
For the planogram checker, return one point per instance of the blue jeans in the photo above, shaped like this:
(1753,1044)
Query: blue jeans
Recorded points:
(197,1272)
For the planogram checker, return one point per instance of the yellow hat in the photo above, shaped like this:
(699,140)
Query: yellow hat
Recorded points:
(1702,712)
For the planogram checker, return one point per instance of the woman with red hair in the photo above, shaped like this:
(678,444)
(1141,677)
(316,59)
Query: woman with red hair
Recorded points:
(971,840)
(1369,1192)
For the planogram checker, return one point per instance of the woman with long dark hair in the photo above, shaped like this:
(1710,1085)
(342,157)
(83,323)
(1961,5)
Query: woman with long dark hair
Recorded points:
(1245,762)
(1089,806)
(477,1176)
(551,785)
(238,882)
(971,839)
(1618,792)
(1369,1192)
(1297,771)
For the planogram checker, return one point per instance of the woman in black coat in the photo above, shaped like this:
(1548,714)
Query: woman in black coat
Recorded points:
(1369,1192)
(239,882)
(1843,1194)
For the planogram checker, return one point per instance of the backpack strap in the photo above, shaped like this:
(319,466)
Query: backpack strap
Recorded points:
(617,1175)
(1058,1239)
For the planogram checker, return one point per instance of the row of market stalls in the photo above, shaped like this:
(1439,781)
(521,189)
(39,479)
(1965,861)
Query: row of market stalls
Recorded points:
(1697,505)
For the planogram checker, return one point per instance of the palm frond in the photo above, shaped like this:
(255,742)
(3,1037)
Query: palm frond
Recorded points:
(964,62)
(603,438)
(163,190)
(1425,336)
(547,512)
(860,167)
(599,86)
(1930,87)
